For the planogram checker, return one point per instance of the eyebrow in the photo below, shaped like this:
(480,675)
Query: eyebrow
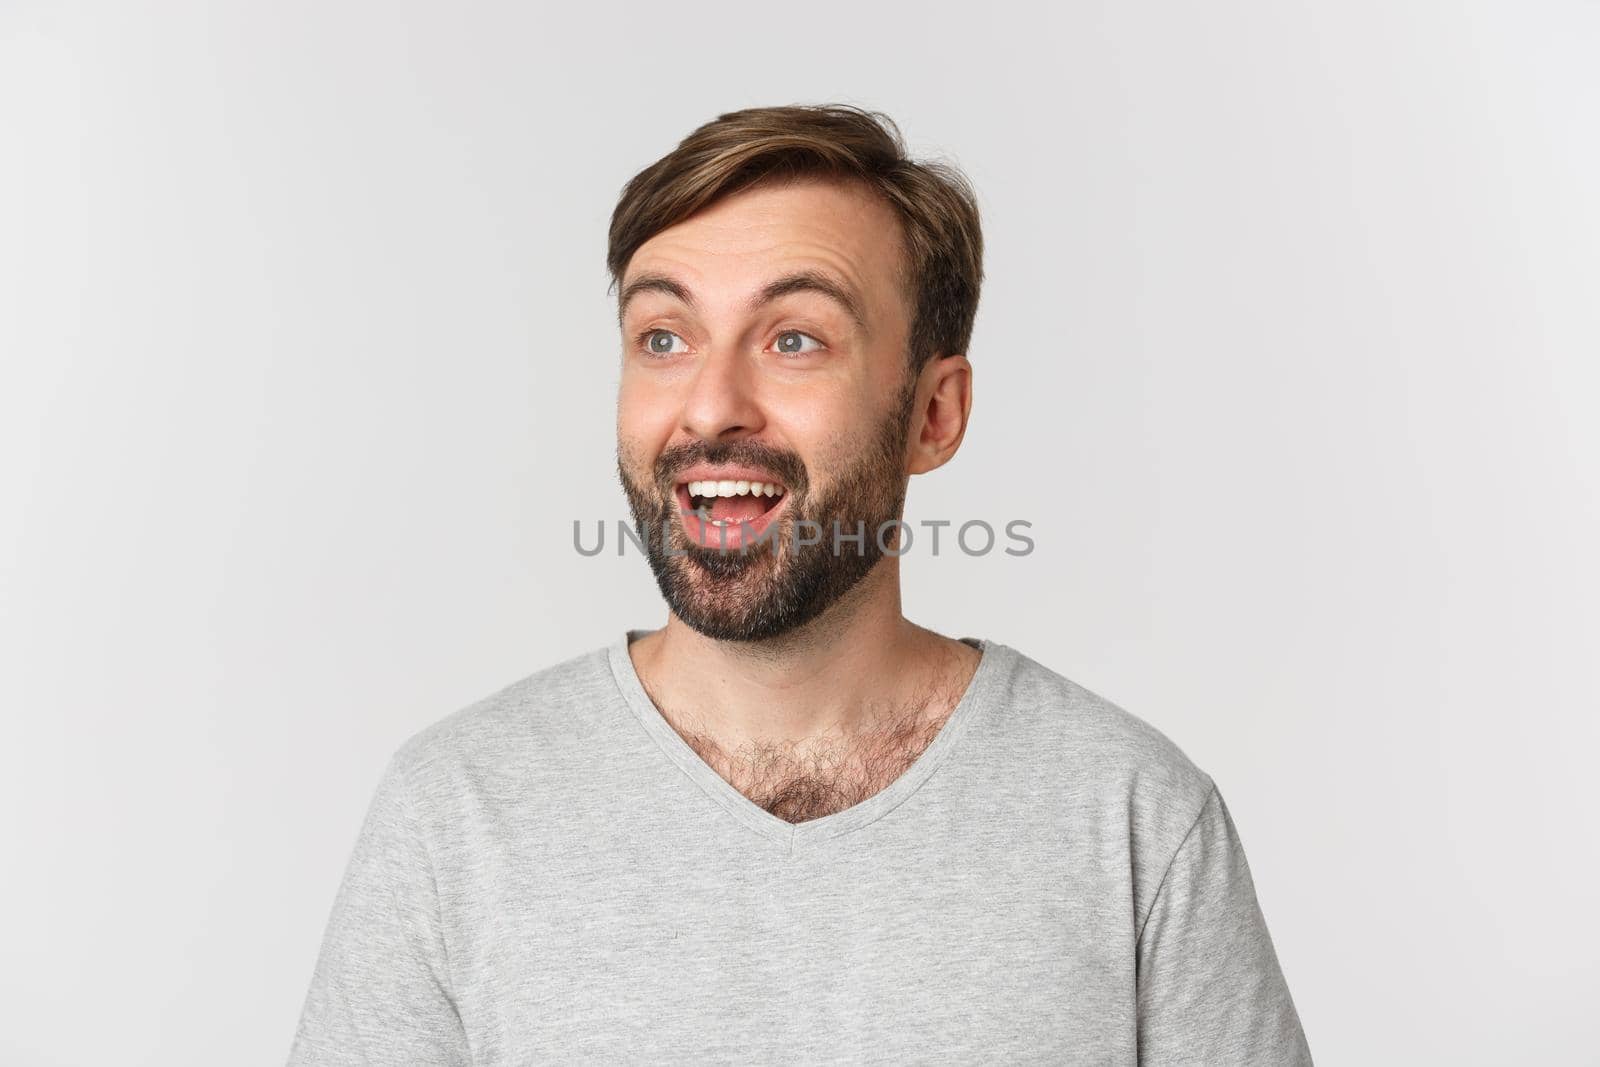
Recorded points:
(803,281)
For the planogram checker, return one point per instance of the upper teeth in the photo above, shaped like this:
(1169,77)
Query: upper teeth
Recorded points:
(709,489)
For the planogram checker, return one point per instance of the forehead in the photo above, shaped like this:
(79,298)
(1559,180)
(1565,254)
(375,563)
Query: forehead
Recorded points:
(736,244)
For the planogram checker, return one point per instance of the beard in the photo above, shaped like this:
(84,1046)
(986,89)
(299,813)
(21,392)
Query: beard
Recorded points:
(775,585)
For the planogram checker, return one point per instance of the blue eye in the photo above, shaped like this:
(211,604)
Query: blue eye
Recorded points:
(659,342)
(789,343)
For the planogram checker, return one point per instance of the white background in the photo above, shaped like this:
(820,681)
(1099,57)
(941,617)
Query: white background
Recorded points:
(1287,349)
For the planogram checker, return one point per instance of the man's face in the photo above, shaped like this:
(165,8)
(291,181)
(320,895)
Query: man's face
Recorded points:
(738,367)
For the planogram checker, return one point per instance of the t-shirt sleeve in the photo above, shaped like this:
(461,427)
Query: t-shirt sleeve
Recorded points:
(381,989)
(1210,989)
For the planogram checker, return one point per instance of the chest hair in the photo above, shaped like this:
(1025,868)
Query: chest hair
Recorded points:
(800,781)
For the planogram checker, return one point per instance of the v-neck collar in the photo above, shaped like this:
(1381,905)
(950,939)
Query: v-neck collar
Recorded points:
(794,836)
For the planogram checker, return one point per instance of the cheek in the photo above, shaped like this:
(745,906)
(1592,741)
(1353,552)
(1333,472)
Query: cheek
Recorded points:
(818,413)
(642,415)
(827,435)
(637,449)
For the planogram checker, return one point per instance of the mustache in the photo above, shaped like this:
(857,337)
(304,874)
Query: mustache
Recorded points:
(786,465)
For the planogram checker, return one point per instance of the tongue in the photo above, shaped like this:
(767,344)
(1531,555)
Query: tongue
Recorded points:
(740,508)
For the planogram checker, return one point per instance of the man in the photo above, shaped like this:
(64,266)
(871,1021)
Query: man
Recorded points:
(791,825)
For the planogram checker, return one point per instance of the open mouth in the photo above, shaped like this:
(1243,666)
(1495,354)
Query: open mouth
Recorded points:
(722,510)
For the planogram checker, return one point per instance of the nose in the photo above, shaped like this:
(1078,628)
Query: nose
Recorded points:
(721,401)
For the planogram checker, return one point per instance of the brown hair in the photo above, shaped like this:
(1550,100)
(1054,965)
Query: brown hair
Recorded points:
(937,207)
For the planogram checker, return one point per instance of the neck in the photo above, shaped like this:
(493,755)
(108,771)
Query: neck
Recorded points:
(846,673)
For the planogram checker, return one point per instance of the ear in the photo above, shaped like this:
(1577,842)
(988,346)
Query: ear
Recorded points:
(939,414)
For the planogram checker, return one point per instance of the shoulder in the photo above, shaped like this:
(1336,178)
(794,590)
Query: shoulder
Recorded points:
(1096,741)
(495,736)
(1101,765)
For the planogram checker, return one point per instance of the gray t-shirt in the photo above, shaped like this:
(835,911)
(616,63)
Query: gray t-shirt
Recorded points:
(553,875)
